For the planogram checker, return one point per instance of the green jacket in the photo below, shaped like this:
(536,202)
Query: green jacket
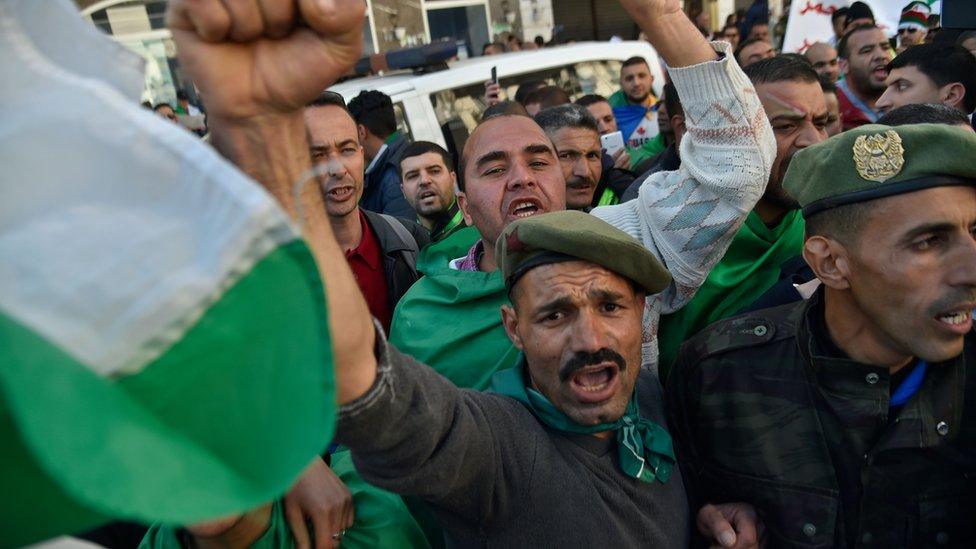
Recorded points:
(761,415)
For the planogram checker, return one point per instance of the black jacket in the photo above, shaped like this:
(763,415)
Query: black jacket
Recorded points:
(400,249)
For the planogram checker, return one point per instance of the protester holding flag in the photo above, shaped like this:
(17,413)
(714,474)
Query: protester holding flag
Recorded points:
(633,107)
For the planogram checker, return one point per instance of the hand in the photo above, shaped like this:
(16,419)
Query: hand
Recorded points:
(258,57)
(321,497)
(731,525)
(493,92)
(621,159)
(651,8)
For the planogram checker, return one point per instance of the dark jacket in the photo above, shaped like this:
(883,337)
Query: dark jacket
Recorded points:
(400,249)
(764,412)
(381,189)
(617,180)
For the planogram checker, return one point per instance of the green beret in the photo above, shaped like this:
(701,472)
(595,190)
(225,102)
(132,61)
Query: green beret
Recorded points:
(573,235)
(874,161)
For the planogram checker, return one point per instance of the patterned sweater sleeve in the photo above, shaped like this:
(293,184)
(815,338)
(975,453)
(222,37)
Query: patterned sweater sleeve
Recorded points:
(687,218)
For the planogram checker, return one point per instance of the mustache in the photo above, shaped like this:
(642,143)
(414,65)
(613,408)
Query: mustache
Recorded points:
(582,359)
(953,299)
(577,181)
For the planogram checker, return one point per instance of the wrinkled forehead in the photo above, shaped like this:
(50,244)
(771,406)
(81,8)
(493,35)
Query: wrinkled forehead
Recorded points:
(509,134)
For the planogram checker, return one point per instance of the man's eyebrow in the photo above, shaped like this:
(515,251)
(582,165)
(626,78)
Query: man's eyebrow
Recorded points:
(605,295)
(491,156)
(554,305)
(537,148)
(934,227)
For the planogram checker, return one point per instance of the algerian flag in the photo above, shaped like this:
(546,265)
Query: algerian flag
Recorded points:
(164,351)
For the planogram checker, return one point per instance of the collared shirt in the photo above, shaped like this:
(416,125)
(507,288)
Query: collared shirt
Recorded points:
(470,262)
(366,262)
(854,112)
(379,154)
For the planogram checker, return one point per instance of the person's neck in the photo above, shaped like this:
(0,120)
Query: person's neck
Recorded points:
(348,230)
(852,330)
(646,102)
(869,97)
(372,146)
(668,139)
(771,214)
(487,262)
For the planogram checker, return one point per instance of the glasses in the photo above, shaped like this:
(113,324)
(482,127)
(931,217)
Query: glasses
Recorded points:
(909,31)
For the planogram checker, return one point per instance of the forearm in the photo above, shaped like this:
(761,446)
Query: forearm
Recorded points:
(673,35)
(273,150)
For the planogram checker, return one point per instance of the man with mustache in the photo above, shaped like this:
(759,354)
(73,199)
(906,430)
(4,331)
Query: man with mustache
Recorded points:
(848,419)
(794,102)
(428,180)
(509,170)
(864,56)
(576,420)
(576,136)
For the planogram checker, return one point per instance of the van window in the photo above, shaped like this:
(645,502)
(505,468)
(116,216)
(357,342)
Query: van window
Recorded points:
(401,121)
(459,109)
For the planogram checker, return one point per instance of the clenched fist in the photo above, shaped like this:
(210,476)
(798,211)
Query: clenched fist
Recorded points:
(258,57)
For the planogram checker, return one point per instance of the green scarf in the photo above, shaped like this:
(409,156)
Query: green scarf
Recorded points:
(451,320)
(643,447)
(749,268)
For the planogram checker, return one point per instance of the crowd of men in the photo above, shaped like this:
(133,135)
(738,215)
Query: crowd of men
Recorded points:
(753,329)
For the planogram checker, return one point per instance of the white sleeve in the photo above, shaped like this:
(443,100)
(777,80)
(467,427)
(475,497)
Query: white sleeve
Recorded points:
(688,217)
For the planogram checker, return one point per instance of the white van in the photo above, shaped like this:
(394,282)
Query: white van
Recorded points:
(445,106)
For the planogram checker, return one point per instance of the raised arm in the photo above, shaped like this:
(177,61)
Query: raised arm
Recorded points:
(687,218)
(257,64)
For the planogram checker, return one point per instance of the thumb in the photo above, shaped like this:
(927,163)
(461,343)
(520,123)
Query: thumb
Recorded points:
(712,524)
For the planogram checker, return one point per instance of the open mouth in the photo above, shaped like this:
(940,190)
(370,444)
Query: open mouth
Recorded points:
(880,72)
(524,208)
(959,321)
(594,384)
(340,193)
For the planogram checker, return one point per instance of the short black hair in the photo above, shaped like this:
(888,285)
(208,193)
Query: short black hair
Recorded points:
(635,60)
(539,41)
(374,109)
(162,104)
(672,102)
(181,95)
(591,99)
(525,88)
(842,50)
(548,96)
(504,107)
(782,68)
(839,13)
(924,113)
(858,10)
(843,223)
(418,148)
(329,98)
(489,44)
(943,64)
(745,44)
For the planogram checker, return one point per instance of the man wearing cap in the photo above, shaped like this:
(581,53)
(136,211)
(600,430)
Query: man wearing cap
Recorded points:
(848,419)
(576,420)
(509,170)
(913,24)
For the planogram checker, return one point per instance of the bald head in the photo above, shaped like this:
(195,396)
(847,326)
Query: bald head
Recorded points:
(824,59)
(488,131)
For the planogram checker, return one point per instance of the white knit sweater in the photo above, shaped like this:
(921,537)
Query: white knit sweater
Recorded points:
(688,217)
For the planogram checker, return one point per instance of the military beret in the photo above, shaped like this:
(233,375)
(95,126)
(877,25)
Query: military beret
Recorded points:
(874,161)
(573,235)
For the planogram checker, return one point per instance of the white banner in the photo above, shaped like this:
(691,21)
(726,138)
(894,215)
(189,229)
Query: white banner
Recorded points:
(809,21)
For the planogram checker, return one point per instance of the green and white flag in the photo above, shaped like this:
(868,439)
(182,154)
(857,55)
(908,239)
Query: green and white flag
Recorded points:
(164,349)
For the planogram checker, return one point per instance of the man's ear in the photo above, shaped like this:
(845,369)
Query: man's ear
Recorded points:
(462,201)
(510,321)
(844,66)
(363,133)
(953,95)
(829,261)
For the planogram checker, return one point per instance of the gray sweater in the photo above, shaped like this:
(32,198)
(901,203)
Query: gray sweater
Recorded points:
(495,476)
